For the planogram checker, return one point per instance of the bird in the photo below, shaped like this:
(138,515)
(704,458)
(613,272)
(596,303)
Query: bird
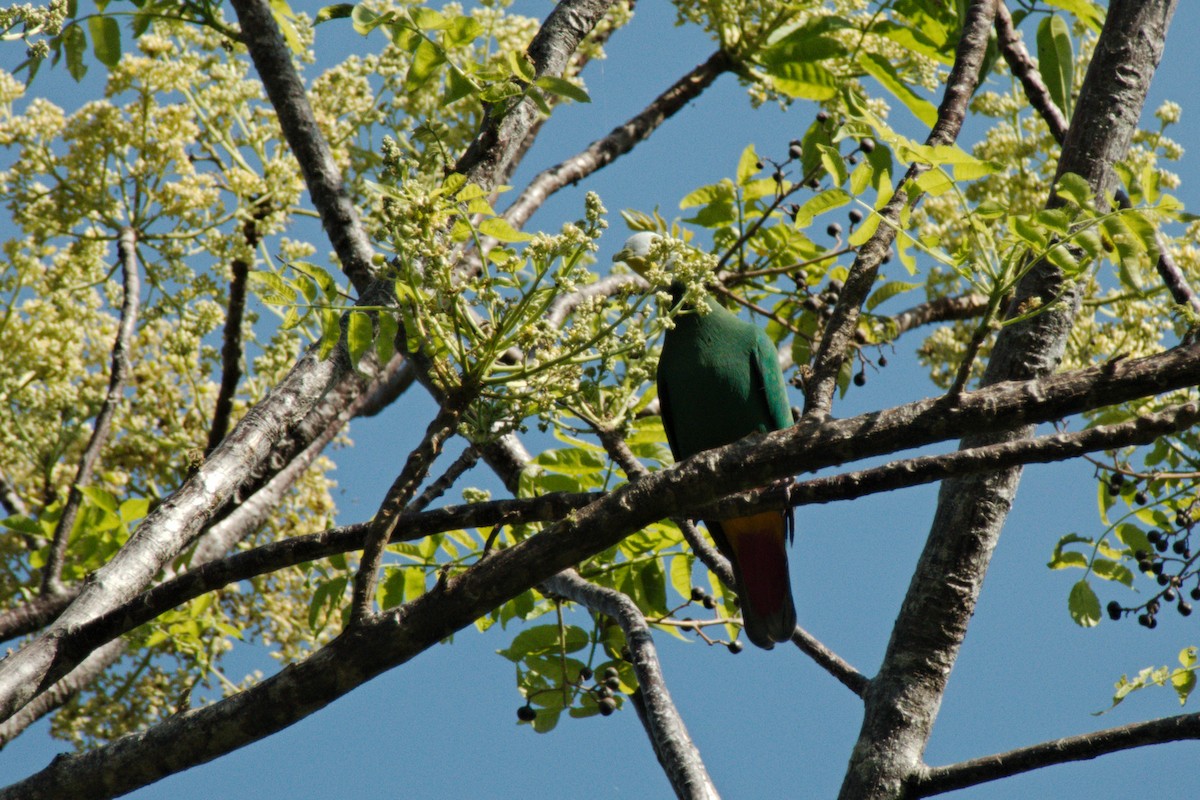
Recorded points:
(718,381)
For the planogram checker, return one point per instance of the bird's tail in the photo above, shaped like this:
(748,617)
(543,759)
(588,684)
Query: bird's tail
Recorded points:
(757,548)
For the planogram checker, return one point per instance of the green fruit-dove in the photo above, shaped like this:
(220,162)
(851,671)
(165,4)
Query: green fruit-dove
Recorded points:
(718,381)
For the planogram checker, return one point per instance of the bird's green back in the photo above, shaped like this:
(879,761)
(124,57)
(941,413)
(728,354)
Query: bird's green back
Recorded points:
(719,380)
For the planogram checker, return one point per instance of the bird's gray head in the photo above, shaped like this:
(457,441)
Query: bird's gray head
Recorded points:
(636,251)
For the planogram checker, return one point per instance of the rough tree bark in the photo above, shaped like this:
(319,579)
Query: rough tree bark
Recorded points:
(904,697)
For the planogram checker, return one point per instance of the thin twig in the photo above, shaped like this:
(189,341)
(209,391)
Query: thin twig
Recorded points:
(126,329)
(231,347)
(468,459)
(402,490)
(830,661)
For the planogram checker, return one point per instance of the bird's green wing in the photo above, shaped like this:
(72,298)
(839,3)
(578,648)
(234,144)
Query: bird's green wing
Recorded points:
(764,365)
(668,418)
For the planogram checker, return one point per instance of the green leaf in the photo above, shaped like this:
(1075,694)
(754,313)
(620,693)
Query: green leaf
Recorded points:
(1085,11)
(499,228)
(335,11)
(271,288)
(1029,232)
(934,182)
(134,509)
(831,159)
(545,640)
(360,335)
(1056,60)
(74,43)
(881,70)
(718,192)
(913,38)
(803,79)
(889,290)
(1183,681)
(101,498)
(681,574)
(819,204)
(1074,188)
(427,19)
(1112,571)
(865,230)
(364,19)
(385,343)
(1084,605)
(563,88)
(426,59)
(106,40)
(331,331)
(284,17)
(860,178)
(747,168)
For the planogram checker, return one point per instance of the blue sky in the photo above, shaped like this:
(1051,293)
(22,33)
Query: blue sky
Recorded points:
(444,725)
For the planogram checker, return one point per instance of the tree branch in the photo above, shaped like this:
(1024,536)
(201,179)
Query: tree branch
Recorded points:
(231,347)
(1026,71)
(273,60)
(126,330)
(839,331)
(505,128)
(830,661)
(936,780)
(61,692)
(387,640)
(402,490)
(905,695)
(619,141)
(668,735)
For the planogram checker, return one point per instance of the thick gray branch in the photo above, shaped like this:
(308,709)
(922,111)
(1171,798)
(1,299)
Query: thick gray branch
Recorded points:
(273,60)
(507,125)
(904,697)
(669,736)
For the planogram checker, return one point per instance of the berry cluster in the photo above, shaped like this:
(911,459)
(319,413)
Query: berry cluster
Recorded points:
(1170,560)
(603,691)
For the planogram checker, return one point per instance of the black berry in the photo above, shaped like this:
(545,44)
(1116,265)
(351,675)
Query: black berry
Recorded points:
(834,229)
(526,714)
(1114,610)
(855,216)
(735,647)
(607,706)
